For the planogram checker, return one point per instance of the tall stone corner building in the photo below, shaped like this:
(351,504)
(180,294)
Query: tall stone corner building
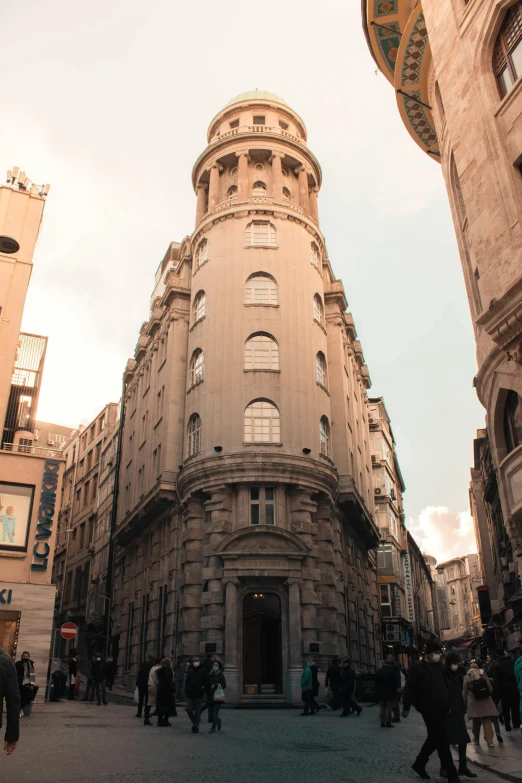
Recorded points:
(456,66)
(245,520)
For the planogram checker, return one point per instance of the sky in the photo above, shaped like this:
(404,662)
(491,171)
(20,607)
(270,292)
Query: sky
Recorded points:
(110,103)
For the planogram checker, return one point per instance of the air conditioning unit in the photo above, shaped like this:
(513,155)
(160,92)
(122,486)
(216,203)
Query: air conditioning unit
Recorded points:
(378,491)
(392,632)
(393,495)
(374,458)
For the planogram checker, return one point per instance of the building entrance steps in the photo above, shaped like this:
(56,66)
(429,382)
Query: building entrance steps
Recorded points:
(504,760)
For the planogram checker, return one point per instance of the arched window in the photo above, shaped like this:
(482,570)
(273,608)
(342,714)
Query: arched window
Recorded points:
(286,194)
(259,189)
(512,421)
(202,255)
(261,352)
(232,192)
(507,54)
(199,307)
(261,289)
(261,423)
(324,436)
(260,233)
(318,310)
(197,367)
(314,254)
(320,366)
(194,435)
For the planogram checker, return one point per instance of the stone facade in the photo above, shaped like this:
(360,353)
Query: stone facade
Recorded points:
(455,75)
(245,520)
(460,583)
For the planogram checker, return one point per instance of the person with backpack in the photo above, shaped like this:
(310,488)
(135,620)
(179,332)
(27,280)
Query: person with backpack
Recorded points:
(505,684)
(481,707)
(216,685)
(388,684)
(307,691)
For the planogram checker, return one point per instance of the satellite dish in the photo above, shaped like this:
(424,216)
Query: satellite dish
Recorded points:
(8,245)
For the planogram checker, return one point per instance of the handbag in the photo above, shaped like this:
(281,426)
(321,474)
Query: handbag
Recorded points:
(219,694)
(136,695)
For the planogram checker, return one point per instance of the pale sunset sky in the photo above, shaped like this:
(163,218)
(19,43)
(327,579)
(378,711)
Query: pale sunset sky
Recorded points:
(110,103)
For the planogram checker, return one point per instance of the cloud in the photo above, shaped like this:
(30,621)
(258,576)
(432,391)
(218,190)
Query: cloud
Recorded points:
(443,533)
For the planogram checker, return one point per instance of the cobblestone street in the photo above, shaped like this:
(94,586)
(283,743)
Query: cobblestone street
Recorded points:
(85,743)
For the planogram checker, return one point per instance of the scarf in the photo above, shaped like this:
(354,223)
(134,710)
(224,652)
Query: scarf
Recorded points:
(29,675)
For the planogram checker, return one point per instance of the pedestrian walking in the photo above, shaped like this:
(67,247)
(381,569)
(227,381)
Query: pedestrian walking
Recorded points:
(179,676)
(26,682)
(73,674)
(195,691)
(456,730)
(152,690)
(216,685)
(427,690)
(90,689)
(165,695)
(112,670)
(315,686)
(99,675)
(307,691)
(481,708)
(10,691)
(518,672)
(333,683)
(347,689)
(388,684)
(505,686)
(142,684)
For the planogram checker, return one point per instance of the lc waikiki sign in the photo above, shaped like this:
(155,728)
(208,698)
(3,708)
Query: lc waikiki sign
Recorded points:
(44,525)
(410,606)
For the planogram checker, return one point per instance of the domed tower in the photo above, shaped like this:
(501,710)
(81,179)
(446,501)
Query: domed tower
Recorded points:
(261,542)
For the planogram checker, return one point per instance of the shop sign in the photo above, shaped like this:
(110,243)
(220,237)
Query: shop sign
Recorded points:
(41,549)
(6,596)
(410,606)
(397,601)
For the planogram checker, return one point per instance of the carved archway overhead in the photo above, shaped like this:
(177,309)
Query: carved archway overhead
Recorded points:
(262,540)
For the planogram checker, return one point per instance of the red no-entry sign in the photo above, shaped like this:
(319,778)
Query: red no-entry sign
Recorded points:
(69,630)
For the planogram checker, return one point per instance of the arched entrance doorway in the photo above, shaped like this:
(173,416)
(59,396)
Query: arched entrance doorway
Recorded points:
(262,658)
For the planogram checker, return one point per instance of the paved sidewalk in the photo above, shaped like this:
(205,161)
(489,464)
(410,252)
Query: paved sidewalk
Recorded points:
(504,760)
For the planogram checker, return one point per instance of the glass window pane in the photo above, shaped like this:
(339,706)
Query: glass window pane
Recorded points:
(505,82)
(269,493)
(516,59)
(254,514)
(254,493)
(269,514)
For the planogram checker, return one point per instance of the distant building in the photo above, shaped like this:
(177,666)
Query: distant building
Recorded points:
(421,596)
(461,593)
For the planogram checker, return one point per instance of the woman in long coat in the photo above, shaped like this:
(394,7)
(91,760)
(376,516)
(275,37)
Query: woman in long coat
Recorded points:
(456,730)
(27,682)
(165,698)
(481,711)
(152,690)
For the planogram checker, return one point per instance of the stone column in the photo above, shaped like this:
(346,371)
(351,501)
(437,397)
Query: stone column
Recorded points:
(304,201)
(295,667)
(201,209)
(192,566)
(231,633)
(277,176)
(314,213)
(213,190)
(242,175)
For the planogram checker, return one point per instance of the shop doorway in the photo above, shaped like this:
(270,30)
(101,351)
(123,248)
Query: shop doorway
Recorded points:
(262,653)
(9,628)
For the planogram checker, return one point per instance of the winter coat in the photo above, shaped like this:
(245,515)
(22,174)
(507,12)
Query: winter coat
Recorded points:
(456,730)
(152,686)
(347,680)
(25,671)
(142,678)
(98,671)
(478,708)
(333,677)
(73,667)
(388,681)
(315,679)
(214,679)
(165,698)
(306,679)
(10,691)
(518,675)
(196,682)
(503,673)
(426,688)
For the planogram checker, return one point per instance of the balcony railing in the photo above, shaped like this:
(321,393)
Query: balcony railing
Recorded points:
(37,451)
(271,129)
(234,202)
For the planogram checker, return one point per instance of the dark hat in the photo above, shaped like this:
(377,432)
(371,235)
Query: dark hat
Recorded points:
(432,647)
(452,657)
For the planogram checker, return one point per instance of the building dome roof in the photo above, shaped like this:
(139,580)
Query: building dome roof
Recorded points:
(256,95)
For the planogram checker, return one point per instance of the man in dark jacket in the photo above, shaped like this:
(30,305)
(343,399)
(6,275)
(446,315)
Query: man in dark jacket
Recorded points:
(142,682)
(99,675)
(347,689)
(426,688)
(505,683)
(10,691)
(195,689)
(73,673)
(333,681)
(388,684)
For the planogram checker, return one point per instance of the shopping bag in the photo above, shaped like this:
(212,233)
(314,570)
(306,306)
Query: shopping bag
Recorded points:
(219,694)
(136,695)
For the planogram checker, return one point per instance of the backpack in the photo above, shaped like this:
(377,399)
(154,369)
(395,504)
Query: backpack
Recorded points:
(479,688)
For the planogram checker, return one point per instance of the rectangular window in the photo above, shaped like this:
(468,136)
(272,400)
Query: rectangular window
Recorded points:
(77,584)
(94,486)
(234,124)
(86,489)
(130,628)
(385,595)
(262,506)
(98,452)
(82,536)
(259,119)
